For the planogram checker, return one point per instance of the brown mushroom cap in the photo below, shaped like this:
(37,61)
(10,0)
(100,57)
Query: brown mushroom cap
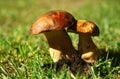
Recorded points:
(53,20)
(84,26)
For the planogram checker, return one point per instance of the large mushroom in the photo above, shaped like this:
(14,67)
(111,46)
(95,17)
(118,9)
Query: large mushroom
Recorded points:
(52,24)
(86,46)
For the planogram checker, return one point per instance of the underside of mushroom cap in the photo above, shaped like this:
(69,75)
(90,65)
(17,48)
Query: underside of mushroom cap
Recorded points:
(53,20)
(84,26)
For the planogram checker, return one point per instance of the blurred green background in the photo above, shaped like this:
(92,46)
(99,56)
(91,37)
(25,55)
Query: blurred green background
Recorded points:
(21,53)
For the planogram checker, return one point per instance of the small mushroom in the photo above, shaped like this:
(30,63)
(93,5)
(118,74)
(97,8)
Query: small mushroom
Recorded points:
(52,24)
(86,46)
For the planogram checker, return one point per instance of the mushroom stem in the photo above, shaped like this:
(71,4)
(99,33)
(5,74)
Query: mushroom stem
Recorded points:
(60,45)
(87,48)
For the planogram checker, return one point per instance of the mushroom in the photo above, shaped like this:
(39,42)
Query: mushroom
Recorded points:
(52,24)
(86,46)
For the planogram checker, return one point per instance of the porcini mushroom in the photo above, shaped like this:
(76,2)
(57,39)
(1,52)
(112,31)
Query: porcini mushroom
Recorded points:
(86,46)
(52,24)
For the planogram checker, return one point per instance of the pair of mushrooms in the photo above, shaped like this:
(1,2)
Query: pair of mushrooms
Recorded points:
(53,25)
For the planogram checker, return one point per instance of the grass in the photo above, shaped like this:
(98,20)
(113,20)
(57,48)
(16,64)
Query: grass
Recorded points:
(22,56)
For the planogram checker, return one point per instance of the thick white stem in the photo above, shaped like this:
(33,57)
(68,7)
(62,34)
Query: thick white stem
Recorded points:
(60,45)
(87,48)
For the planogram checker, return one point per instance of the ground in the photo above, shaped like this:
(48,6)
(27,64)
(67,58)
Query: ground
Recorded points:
(22,56)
